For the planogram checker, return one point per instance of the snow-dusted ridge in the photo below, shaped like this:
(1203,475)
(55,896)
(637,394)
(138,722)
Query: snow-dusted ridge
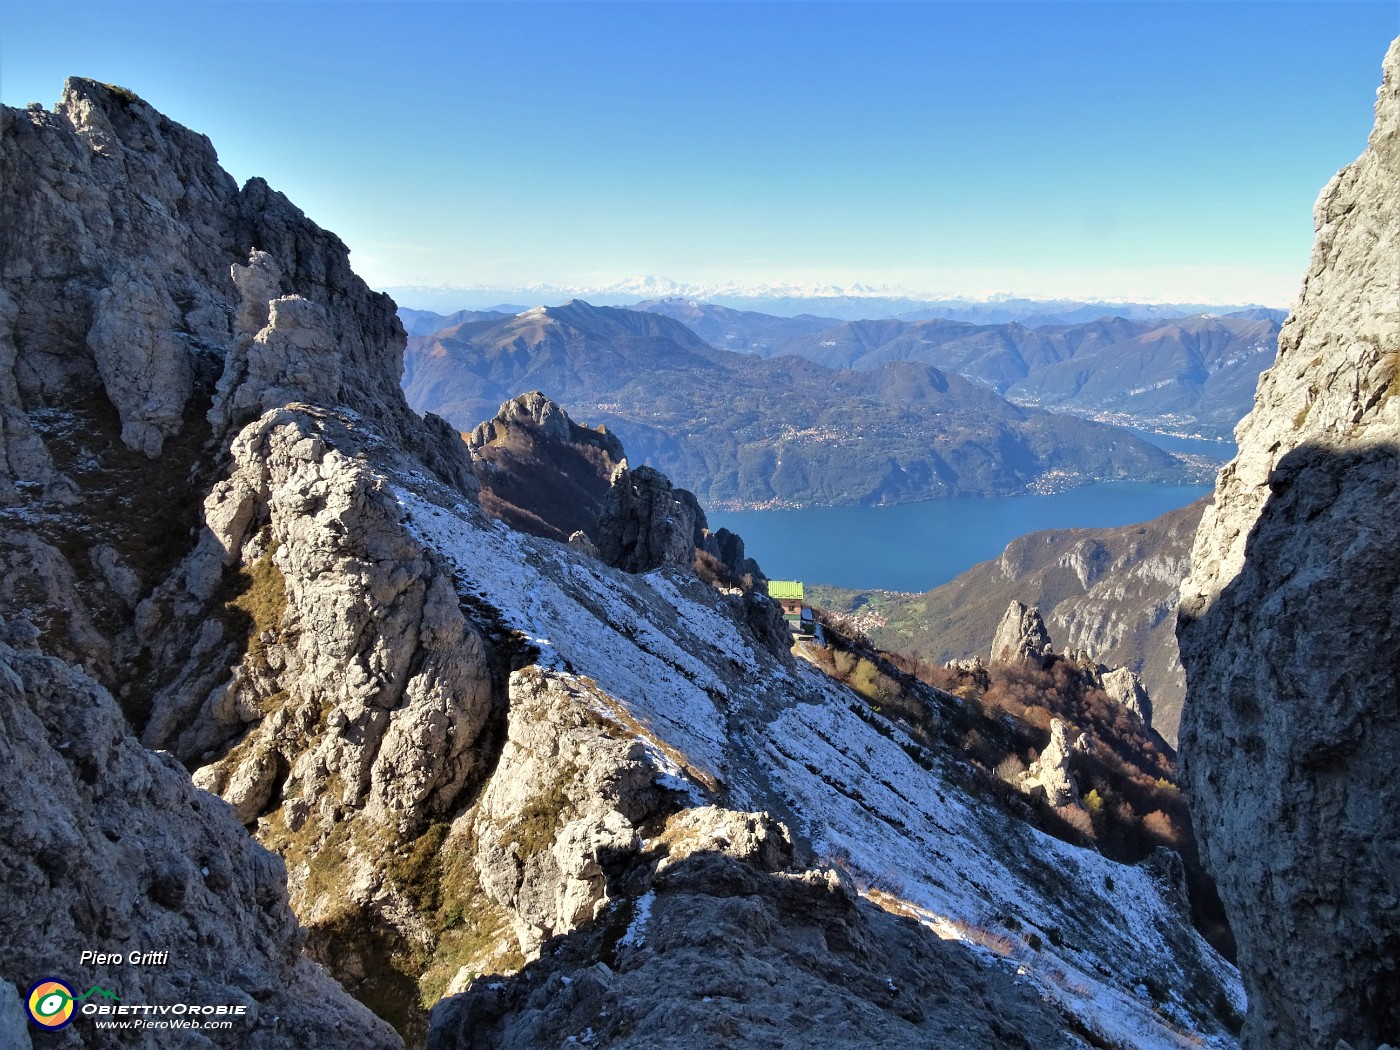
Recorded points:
(1099,939)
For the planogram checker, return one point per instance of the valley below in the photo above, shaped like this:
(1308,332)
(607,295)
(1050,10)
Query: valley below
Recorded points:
(745,431)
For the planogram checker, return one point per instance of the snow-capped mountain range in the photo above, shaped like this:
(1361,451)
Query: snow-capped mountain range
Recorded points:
(843,302)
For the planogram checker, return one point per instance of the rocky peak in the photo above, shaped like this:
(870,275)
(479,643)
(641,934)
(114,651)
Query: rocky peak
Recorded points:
(537,412)
(1289,628)
(646,522)
(541,472)
(1124,686)
(1021,636)
(173,247)
(1050,772)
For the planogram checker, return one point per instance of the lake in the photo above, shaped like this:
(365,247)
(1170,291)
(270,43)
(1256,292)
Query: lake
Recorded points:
(918,546)
(1222,450)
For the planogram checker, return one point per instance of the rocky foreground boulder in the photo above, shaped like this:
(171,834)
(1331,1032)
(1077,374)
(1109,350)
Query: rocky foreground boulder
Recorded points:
(108,846)
(1290,635)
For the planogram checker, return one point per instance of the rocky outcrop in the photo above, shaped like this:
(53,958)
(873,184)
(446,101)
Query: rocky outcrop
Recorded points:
(646,522)
(535,412)
(1049,774)
(541,472)
(560,828)
(148,311)
(1021,636)
(725,954)
(202,442)
(109,847)
(562,812)
(229,567)
(755,838)
(1289,630)
(728,547)
(382,688)
(152,236)
(1125,687)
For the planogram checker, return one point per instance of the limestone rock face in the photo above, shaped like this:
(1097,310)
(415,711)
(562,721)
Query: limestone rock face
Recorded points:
(1124,686)
(728,548)
(153,266)
(149,308)
(229,568)
(1021,636)
(646,522)
(562,810)
(1050,772)
(121,852)
(365,671)
(1289,633)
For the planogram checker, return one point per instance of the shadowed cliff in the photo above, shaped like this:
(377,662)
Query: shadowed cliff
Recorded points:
(1289,633)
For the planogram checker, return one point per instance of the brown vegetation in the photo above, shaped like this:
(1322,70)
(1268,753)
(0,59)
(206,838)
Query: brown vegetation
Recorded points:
(998,719)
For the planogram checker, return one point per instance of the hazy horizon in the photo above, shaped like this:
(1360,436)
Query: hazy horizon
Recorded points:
(773,299)
(1132,151)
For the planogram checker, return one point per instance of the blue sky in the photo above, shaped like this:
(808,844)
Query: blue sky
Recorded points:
(1167,151)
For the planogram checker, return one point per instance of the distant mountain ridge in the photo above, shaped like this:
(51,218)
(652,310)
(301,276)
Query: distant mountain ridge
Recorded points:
(740,430)
(742,331)
(846,303)
(422,322)
(1193,373)
(1198,371)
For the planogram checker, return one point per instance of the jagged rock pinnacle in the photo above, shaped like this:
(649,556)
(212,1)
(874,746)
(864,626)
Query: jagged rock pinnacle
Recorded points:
(1021,636)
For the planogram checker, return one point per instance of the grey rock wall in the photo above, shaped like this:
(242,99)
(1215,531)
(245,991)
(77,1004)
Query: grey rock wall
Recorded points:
(155,322)
(646,522)
(1290,636)
(107,846)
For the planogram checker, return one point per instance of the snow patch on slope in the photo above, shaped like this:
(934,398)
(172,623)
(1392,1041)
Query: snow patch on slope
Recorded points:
(717,711)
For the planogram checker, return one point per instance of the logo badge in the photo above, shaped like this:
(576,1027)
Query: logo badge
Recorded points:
(51,1004)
